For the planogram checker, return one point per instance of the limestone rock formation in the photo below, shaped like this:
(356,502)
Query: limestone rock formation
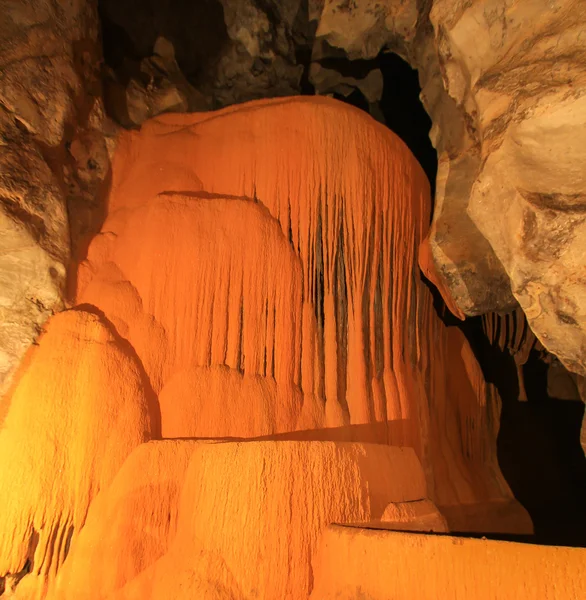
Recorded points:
(352,562)
(497,118)
(421,515)
(255,284)
(518,88)
(139,90)
(246,521)
(131,524)
(364,27)
(80,405)
(503,83)
(321,283)
(327,81)
(52,160)
(230,51)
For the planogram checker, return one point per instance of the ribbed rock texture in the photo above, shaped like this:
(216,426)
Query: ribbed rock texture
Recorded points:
(503,83)
(52,160)
(255,282)
(245,523)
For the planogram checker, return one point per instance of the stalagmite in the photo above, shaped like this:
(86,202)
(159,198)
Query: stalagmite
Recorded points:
(257,275)
(80,406)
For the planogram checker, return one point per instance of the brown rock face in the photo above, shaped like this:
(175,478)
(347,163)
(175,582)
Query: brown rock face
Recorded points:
(52,159)
(519,87)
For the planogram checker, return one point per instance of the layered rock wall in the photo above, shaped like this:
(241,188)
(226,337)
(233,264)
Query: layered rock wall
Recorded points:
(52,160)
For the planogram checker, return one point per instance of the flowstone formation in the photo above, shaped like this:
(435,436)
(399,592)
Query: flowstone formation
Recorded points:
(253,307)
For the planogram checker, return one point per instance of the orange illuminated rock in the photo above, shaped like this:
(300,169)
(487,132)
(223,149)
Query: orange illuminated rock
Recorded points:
(256,277)
(247,521)
(248,405)
(131,524)
(78,410)
(421,515)
(279,240)
(384,565)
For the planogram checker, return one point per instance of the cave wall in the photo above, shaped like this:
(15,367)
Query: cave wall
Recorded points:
(503,83)
(52,160)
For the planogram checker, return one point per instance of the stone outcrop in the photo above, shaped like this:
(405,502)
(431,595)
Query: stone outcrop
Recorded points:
(139,90)
(502,83)
(353,562)
(52,160)
(65,432)
(246,520)
(519,88)
(229,51)
(255,287)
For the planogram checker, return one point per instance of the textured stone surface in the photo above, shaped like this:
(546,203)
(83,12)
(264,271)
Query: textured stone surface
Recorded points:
(503,83)
(143,89)
(240,287)
(383,565)
(189,319)
(242,517)
(362,28)
(516,74)
(65,430)
(52,160)
(229,51)
(421,515)
(112,548)
(328,81)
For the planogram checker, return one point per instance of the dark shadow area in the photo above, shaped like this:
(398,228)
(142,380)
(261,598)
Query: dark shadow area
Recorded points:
(538,445)
(500,537)
(384,432)
(197,31)
(404,113)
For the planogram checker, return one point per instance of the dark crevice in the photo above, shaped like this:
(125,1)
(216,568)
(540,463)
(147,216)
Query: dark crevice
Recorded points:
(538,444)
(404,112)
(130,29)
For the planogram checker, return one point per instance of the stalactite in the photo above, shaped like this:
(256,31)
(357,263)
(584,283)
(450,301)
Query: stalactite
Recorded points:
(338,202)
(511,333)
